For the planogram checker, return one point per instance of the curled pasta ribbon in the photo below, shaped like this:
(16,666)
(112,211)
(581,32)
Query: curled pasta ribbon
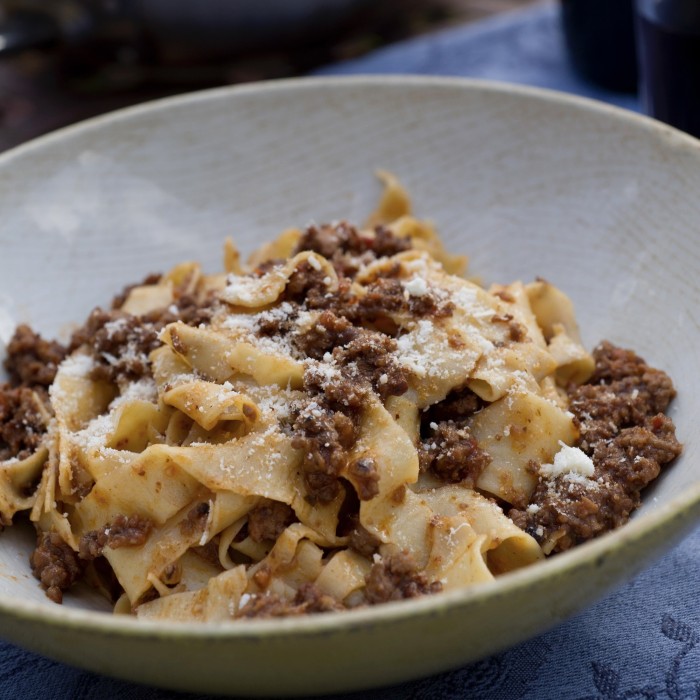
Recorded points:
(207,404)
(256,292)
(15,479)
(518,430)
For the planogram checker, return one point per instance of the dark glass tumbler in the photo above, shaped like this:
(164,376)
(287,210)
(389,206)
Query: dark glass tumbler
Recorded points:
(668,40)
(600,40)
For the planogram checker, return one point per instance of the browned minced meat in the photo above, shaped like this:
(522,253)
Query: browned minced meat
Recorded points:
(363,541)
(328,239)
(209,552)
(22,425)
(32,361)
(310,287)
(276,324)
(324,436)
(123,531)
(395,577)
(622,392)
(196,519)
(325,429)
(628,438)
(364,355)
(453,454)
(573,511)
(329,331)
(307,285)
(268,520)
(347,248)
(120,343)
(382,298)
(365,477)
(191,310)
(55,564)
(308,599)
(387,296)
(517,331)
(370,358)
(386,243)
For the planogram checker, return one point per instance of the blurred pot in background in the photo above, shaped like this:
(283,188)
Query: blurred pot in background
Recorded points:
(600,39)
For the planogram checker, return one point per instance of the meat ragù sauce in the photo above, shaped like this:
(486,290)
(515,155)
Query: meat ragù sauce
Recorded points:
(345,422)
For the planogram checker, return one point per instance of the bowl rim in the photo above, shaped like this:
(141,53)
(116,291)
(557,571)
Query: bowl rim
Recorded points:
(597,550)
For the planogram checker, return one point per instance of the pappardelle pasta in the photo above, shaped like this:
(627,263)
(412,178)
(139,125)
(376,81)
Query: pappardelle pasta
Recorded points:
(345,421)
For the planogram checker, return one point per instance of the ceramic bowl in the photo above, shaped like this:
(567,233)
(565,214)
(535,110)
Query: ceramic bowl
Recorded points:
(599,201)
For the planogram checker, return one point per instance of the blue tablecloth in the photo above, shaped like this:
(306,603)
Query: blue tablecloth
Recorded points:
(642,641)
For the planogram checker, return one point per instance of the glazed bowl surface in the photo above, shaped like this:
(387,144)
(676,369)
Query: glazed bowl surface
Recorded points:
(528,183)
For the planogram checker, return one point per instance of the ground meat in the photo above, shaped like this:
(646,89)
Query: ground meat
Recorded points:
(369,358)
(634,457)
(55,564)
(307,284)
(611,400)
(627,437)
(191,310)
(571,511)
(313,600)
(278,322)
(363,541)
(365,477)
(328,240)
(325,436)
(308,599)
(269,519)
(388,296)
(613,363)
(329,331)
(340,392)
(32,361)
(347,248)
(394,577)
(91,544)
(124,531)
(325,429)
(386,243)
(363,356)
(209,552)
(120,343)
(517,332)
(452,454)
(196,520)
(23,424)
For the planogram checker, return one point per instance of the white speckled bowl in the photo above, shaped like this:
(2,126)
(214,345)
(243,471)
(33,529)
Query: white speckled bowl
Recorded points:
(599,201)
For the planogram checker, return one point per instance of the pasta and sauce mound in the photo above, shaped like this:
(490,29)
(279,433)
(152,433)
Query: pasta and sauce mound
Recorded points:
(345,421)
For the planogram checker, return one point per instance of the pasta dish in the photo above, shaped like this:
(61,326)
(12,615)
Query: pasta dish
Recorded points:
(344,421)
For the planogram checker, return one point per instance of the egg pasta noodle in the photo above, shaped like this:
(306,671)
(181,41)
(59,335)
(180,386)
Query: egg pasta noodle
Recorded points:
(346,420)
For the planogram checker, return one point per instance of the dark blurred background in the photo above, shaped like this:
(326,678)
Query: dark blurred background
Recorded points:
(65,60)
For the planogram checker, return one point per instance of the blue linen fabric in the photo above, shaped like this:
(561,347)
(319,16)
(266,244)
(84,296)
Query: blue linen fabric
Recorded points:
(643,641)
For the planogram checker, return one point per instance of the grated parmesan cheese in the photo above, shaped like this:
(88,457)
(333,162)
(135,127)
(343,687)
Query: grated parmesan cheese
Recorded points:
(568,460)
(416,287)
